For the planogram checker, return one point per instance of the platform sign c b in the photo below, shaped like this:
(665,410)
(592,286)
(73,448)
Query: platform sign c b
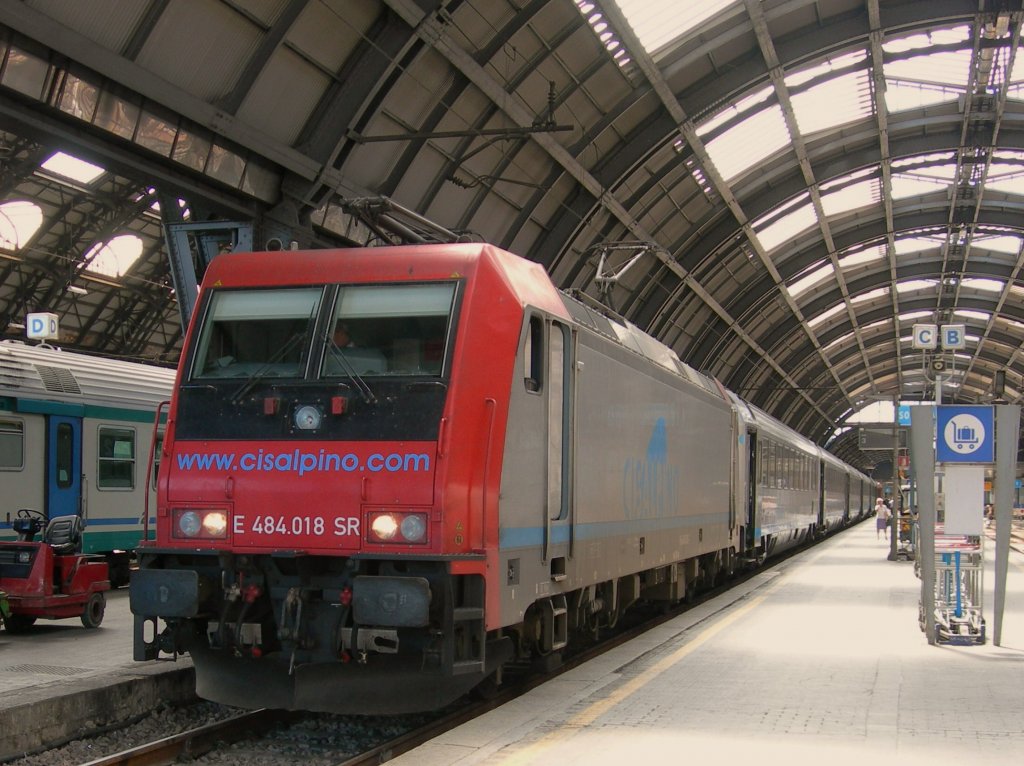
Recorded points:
(964,434)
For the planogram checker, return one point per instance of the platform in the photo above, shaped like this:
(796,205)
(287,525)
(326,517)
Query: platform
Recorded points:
(60,677)
(817,660)
(817,657)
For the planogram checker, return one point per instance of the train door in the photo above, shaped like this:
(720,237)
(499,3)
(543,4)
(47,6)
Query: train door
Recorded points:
(753,477)
(822,494)
(560,431)
(63,466)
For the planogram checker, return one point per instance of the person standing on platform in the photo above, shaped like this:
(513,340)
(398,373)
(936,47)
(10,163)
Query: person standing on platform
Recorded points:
(882,514)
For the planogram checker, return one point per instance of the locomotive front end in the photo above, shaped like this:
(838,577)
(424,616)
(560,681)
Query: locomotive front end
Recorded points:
(302,556)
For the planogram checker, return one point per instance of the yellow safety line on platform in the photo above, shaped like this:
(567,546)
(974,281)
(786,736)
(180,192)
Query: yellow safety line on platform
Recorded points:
(529,754)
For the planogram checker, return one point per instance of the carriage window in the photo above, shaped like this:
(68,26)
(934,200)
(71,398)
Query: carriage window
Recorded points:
(116,469)
(257,332)
(12,445)
(390,330)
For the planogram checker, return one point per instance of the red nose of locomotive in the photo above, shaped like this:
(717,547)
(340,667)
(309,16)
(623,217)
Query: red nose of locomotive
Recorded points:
(327,497)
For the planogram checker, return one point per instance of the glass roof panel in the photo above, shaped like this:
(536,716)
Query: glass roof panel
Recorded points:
(971,314)
(914,184)
(1007,179)
(988,285)
(950,68)
(657,22)
(115,257)
(902,96)
(918,41)
(19,220)
(911,315)
(66,166)
(908,245)
(805,283)
(747,143)
(842,99)
(867,255)
(878,292)
(787,227)
(852,197)
(999,243)
(916,284)
(816,320)
(799,77)
(745,104)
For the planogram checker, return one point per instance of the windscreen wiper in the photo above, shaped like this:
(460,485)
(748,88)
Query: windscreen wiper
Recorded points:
(261,372)
(361,385)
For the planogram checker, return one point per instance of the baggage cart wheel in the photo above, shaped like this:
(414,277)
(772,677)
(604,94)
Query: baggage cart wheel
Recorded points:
(93,614)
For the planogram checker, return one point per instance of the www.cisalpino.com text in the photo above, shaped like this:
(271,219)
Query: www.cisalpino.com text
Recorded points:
(301,462)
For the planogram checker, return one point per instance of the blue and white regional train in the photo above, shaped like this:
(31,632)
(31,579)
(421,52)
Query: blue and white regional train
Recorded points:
(480,471)
(75,435)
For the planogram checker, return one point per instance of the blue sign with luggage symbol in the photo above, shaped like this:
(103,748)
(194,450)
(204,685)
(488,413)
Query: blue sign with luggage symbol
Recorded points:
(965,434)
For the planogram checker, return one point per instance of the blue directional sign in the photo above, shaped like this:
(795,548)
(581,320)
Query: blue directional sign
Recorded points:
(964,434)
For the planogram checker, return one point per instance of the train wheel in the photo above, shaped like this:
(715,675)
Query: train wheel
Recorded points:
(93,614)
(19,623)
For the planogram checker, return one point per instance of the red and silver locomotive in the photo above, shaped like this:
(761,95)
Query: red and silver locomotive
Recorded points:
(387,472)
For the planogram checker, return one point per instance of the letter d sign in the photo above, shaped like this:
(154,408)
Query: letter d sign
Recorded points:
(42,326)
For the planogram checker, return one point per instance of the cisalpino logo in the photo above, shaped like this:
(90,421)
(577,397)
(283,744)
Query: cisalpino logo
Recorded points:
(650,485)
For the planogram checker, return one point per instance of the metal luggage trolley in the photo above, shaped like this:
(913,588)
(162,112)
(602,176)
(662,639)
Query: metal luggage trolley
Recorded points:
(959,592)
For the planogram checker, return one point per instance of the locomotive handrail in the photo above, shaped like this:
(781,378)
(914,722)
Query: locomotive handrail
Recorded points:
(152,454)
(491,404)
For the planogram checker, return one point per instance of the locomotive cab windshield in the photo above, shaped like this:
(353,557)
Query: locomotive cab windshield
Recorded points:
(371,330)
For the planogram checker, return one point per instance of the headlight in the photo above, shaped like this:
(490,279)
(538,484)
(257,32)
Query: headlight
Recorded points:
(24,557)
(414,528)
(397,527)
(199,523)
(383,526)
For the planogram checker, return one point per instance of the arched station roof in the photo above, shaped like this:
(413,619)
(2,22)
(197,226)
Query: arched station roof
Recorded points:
(776,189)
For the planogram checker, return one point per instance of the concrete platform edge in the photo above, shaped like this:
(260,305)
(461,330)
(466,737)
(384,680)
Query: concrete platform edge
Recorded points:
(33,724)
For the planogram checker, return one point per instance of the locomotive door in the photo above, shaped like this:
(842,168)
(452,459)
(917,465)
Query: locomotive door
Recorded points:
(63,466)
(560,432)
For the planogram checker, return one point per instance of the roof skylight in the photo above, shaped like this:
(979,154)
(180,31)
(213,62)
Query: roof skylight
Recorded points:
(913,184)
(657,22)
(1001,243)
(115,257)
(787,227)
(824,315)
(861,257)
(988,285)
(851,197)
(971,314)
(807,282)
(19,220)
(908,245)
(72,168)
(878,292)
(916,284)
(750,141)
(838,101)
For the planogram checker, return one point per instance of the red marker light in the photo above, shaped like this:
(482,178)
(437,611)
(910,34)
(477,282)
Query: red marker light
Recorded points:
(270,405)
(338,405)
